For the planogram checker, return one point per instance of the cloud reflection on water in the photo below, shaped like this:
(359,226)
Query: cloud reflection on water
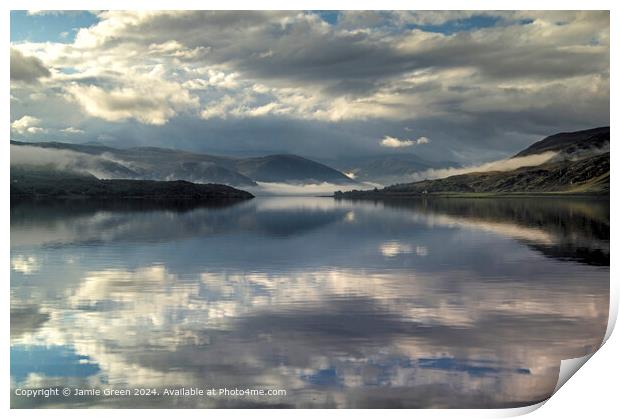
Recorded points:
(479,319)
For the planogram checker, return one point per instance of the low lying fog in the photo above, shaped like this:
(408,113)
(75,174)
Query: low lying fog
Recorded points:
(268,188)
(60,159)
(503,165)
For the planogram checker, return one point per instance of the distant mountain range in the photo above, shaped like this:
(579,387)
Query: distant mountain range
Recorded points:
(580,165)
(153,163)
(390,168)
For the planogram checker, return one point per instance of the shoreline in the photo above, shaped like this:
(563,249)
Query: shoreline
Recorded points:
(471,195)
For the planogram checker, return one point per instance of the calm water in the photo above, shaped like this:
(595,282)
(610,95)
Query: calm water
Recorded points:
(427,303)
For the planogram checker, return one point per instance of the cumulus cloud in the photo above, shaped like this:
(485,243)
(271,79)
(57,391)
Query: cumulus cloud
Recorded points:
(362,68)
(25,264)
(393,142)
(142,103)
(26,69)
(27,125)
(72,130)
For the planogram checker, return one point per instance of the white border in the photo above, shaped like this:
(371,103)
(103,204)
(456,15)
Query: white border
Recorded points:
(591,393)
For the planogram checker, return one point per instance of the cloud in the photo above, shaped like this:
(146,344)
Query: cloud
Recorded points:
(393,142)
(503,165)
(146,105)
(27,69)
(72,130)
(374,71)
(36,12)
(28,155)
(273,188)
(27,125)
(25,264)
(394,248)
(367,74)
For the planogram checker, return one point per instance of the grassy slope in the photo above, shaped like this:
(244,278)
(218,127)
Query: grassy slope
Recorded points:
(571,142)
(589,175)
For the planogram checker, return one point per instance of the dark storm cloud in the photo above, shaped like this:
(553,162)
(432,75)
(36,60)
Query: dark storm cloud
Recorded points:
(302,47)
(299,47)
(26,69)
(357,63)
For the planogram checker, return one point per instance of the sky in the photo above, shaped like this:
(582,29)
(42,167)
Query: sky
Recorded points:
(460,86)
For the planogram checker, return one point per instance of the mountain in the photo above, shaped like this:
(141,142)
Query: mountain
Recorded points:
(28,182)
(571,143)
(580,166)
(154,163)
(390,168)
(288,168)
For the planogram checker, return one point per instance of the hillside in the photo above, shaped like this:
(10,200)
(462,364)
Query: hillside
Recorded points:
(47,182)
(288,168)
(154,163)
(579,167)
(586,175)
(570,143)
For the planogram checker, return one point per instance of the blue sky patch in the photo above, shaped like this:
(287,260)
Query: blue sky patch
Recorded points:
(452,364)
(460,25)
(325,378)
(50,361)
(52,27)
(329,16)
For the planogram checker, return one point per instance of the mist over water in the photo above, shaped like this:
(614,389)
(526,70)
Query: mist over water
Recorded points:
(418,303)
(307,189)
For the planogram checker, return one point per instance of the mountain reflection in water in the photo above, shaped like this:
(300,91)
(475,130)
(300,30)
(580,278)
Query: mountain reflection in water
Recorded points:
(419,303)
